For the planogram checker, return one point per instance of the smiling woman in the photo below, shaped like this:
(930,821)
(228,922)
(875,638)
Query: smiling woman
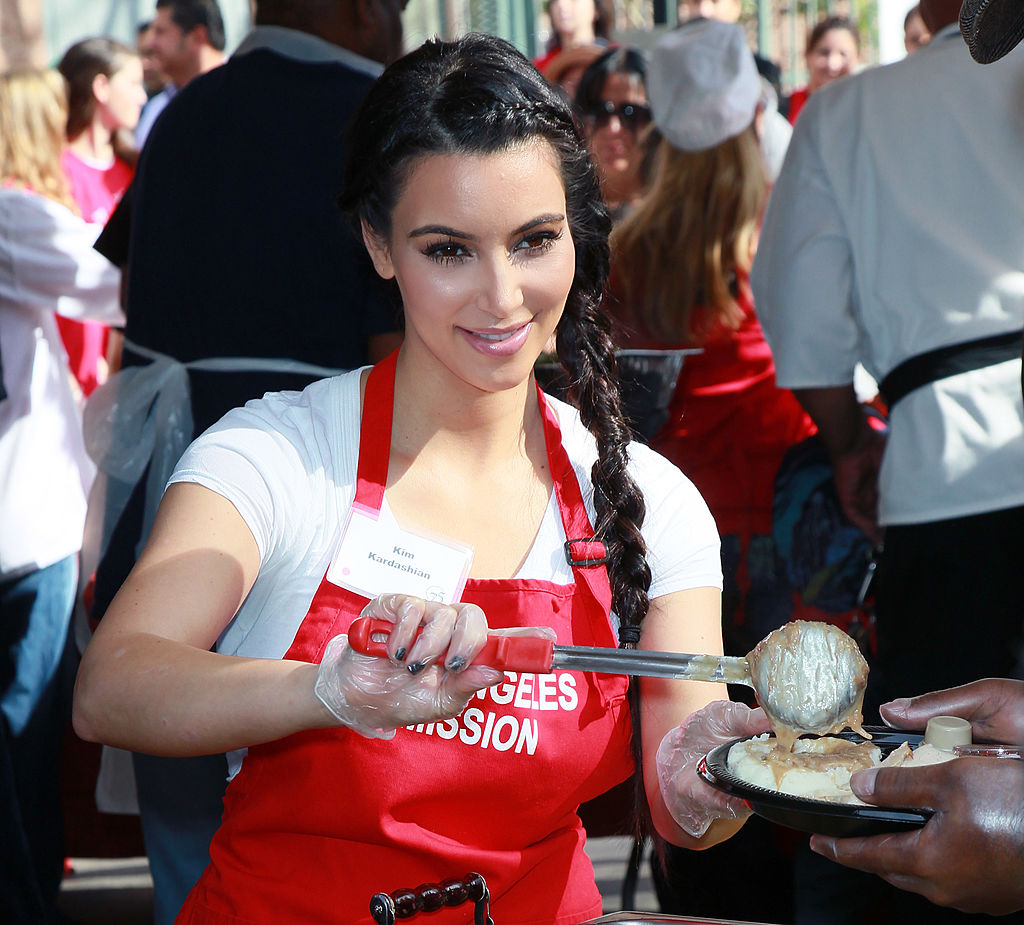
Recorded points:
(441,491)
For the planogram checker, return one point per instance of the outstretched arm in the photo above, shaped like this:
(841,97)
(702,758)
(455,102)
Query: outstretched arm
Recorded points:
(687,811)
(970,854)
(148,681)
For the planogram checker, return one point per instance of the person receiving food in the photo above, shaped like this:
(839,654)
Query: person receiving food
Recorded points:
(970,854)
(443,493)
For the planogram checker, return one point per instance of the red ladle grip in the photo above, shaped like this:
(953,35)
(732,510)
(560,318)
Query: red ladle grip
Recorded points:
(506,653)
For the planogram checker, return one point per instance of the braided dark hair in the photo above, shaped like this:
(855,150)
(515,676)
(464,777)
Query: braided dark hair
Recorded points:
(479,95)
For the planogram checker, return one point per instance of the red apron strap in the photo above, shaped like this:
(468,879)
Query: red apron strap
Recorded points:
(375,434)
(585,554)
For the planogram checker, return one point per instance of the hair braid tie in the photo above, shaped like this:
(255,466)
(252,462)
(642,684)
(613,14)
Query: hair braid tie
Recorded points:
(629,635)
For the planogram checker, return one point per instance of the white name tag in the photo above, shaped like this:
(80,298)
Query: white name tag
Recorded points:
(376,556)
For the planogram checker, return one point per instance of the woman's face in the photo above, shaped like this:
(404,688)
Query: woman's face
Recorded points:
(482,252)
(834,56)
(121,96)
(613,131)
(573,21)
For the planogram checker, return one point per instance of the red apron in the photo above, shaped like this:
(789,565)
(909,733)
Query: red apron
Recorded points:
(316,823)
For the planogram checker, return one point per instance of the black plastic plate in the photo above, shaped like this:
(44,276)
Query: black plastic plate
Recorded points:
(820,816)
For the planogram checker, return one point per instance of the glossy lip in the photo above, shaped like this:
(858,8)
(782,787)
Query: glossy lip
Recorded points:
(497,342)
(818,816)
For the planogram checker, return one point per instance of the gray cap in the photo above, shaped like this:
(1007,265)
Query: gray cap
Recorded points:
(702,84)
(992,28)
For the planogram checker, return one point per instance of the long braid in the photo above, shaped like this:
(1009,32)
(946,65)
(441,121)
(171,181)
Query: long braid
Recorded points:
(479,95)
(587,351)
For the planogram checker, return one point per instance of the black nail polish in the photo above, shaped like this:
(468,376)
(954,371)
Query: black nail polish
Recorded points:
(457,663)
(400,654)
(417,667)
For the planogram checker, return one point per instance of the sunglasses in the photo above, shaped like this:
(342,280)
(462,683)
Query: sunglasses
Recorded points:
(633,116)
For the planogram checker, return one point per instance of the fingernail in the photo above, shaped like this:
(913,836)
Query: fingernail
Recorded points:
(863,782)
(897,707)
(457,663)
(400,654)
(417,667)
(823,845)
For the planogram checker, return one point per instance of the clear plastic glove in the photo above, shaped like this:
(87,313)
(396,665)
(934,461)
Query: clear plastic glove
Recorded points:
(693,803)
(375,696)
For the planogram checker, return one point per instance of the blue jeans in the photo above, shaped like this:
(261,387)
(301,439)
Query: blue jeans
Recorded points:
(36,677)
(180,802)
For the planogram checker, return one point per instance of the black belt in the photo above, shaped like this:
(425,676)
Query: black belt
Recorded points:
(936,364)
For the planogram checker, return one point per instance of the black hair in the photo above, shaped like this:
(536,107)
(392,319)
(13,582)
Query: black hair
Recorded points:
(80,66)
(827,25)
(479,95)
(623,59)
(189,14)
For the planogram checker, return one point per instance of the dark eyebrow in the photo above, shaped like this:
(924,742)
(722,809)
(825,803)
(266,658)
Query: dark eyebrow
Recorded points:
(466,236)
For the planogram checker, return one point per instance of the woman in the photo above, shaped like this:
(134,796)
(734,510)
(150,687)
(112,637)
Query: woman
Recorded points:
(680,274)
(576,22)
(105,99)
(474,193)
(832,51)
(680,265)
(612,99)
(47,265)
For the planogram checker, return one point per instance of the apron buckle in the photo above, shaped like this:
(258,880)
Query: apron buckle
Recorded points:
(386,908)
(585,552)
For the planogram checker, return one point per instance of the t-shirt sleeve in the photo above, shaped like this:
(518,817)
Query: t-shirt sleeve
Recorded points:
(683,547)
(803,274)
(261,460)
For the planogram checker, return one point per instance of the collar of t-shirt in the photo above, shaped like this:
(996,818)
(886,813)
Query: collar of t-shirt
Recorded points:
(302,46)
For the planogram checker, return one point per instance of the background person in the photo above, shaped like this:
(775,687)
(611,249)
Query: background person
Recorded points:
(576,22)
(105,98)
(186,39)
(680,265)
(152,78)
(832,51)
(47,266)
(915,32)
(612,100)
(566,68)
(477,199)
(858,263)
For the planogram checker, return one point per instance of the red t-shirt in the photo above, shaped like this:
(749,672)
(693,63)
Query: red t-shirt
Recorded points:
(96,189)
(797,100)
(729,424)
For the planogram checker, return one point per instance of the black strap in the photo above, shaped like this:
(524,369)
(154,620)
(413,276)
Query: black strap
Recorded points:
(936,364)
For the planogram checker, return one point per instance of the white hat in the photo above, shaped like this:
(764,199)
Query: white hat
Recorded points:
(702,84)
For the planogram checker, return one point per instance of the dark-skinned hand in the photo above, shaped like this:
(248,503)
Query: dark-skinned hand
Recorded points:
(970,854)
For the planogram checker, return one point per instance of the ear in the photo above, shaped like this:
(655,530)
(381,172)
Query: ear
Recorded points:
(379,251)
(199,36)
(366,14)
(101,88)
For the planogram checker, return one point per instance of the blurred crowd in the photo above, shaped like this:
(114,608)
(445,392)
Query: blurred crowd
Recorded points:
(843,264)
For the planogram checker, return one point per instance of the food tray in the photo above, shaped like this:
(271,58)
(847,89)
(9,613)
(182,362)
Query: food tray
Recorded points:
(820,816)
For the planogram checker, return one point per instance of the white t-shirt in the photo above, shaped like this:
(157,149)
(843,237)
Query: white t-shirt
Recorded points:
(287,462)
(896,227)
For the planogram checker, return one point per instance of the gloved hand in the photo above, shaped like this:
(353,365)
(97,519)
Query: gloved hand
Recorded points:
(374,695)
(693,803)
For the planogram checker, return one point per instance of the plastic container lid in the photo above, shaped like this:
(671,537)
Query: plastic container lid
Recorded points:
(947,732)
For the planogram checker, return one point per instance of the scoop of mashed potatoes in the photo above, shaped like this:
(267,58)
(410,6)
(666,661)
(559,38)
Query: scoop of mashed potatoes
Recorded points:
(819,769)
